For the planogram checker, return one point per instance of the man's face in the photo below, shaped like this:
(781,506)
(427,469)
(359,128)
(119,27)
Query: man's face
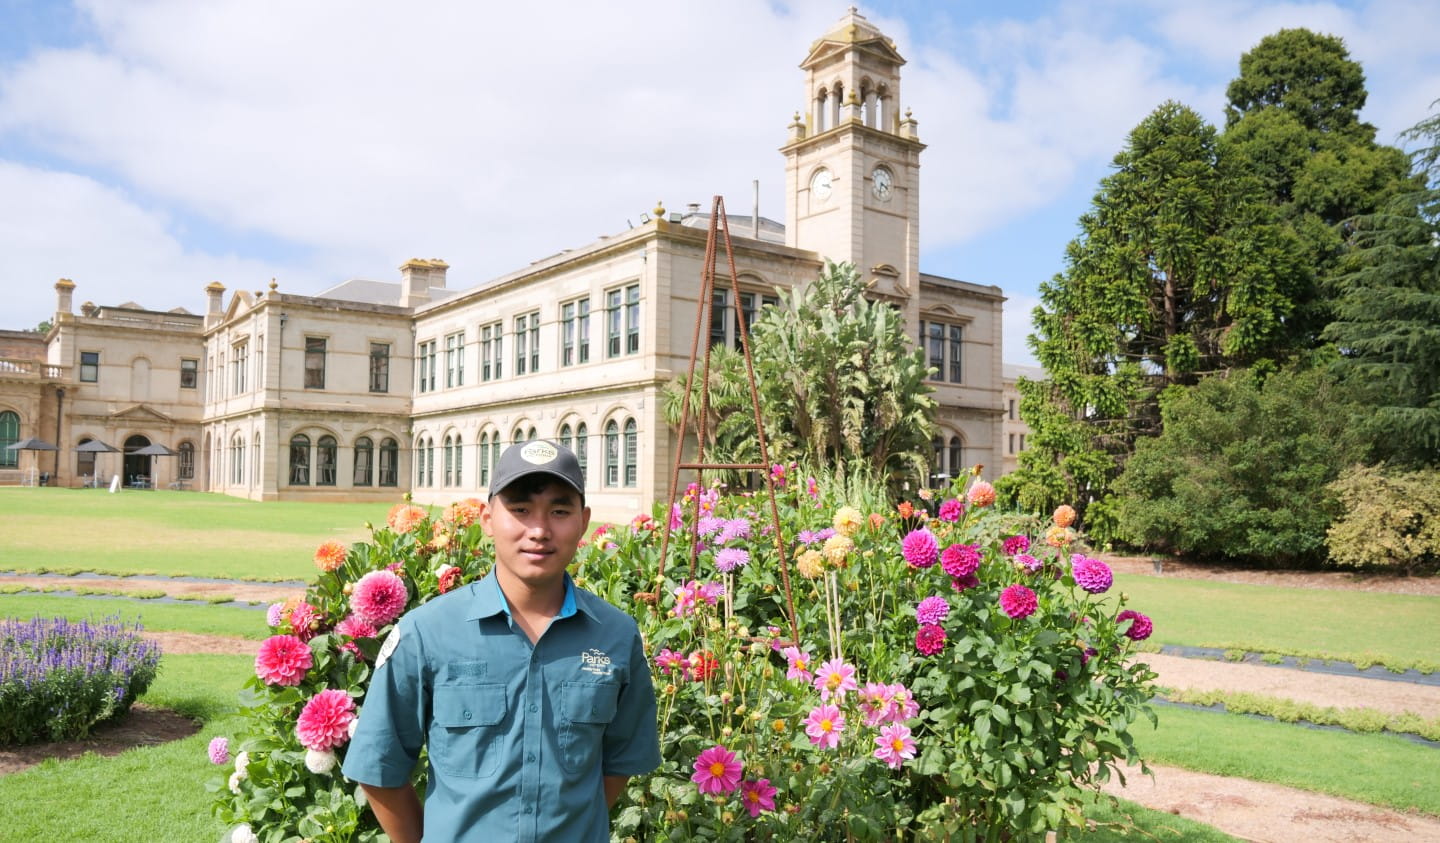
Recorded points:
(536,537)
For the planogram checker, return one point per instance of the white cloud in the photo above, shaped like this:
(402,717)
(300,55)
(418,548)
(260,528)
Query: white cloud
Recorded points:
(1016,327)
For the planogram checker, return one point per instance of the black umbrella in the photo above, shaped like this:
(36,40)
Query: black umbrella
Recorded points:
(95,446)
(156,450)
(30,443)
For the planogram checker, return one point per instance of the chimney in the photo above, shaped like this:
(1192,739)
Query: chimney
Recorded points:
(418,277)
(64,295)
(214,292)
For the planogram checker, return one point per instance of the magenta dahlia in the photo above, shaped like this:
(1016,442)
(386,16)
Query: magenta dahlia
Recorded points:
(1015,544)
(1017,601)
(283,660)
(1140,625)
(951,510)
(932,610)
(379,597)
(324,722)
(959,560)
(965,583)
(1091,574)
(930,639)
(919,548)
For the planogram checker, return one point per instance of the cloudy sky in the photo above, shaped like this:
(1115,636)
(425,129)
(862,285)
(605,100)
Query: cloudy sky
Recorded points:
(148,147)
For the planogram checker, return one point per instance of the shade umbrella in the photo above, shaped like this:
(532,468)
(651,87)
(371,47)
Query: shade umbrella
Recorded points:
(31,443)
(155,449)
(95,446)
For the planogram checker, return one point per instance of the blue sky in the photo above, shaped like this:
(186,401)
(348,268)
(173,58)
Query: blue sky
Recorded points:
(148,147)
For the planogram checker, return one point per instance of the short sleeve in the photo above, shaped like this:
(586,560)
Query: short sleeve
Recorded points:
(393,720)
(632,741)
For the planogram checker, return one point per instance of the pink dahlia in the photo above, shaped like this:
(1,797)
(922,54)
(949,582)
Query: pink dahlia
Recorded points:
(219,750)
(834,678)
(1015,544)
(824,726)
(798,664)
(965,583)
(356,627)
(275,615)
(379,597)
(669,660)
(325,720)
(305,620)
(932,610)
(717,771)
(1091,574)
(1140,625)
(981,494)
(283,660)
(1028,562)
(711,592)
(1017,601)
(959,560)
(894,745)
(730,558)
(685,598)
(930,639)
(449,578)
(919,548)
(758,796)
(951,510)
(875,703)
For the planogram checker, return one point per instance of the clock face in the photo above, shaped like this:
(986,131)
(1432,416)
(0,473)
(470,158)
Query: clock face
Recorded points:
(821,185)
(881,182)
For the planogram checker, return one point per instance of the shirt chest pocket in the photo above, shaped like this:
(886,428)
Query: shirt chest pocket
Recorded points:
(467,735)
(586,709)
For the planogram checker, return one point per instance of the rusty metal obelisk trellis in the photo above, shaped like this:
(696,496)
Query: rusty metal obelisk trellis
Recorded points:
(720,228)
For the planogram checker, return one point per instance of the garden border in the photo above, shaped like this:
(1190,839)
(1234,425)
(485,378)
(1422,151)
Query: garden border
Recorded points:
(1313,665)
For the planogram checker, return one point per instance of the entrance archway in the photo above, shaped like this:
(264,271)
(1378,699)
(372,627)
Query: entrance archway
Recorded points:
(136,465)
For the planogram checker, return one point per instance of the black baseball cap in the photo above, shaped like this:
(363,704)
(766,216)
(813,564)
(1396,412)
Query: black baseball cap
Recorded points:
(537,457)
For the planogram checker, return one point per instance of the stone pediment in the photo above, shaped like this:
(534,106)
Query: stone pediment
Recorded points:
(241,299)
(824,50)
(140,414)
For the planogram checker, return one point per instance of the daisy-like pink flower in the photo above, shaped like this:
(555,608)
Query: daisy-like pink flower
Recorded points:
(283,660)
(981,494)
(1140,625)
(709,525)
(824,726)
(930,639)
(875,703)
(219,750)
(919,548)
(951,510)
(717,771)
(1091,574)
(1015,544)
(758,796)
(677,517)
(669,660)
(932,610)
(1017,601)
(379,597)
(959,560)
(799,664)
(729,558)
(812,488)
(834,678)
(902,703)
(685,597)
(711,592)
(894,745)
(324,722)
(735,528)
(1028,562)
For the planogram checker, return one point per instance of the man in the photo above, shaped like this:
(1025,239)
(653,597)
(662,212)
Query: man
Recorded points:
(532,696)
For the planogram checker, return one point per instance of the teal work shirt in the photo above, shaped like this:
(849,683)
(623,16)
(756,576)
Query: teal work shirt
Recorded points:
(519,735)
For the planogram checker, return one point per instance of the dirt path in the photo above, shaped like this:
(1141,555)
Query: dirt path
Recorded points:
(252,592)
(1269,812)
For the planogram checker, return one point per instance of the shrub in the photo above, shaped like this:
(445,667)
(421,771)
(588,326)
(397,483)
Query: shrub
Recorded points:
(59,679)
(1391,519)
(936,676)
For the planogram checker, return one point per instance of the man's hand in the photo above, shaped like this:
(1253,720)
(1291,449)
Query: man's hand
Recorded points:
(614,786)
(398,810)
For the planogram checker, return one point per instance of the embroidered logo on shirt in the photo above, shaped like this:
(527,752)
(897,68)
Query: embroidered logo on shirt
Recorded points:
(596,662)
(391,641)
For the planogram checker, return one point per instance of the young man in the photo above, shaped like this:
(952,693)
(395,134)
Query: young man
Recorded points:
(532,696)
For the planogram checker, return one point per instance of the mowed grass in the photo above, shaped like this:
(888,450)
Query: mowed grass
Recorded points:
(199,618)
(150,793)
(174,533)
(1398,630)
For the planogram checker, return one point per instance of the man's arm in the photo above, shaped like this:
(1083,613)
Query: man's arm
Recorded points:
(614,786)
(399,812)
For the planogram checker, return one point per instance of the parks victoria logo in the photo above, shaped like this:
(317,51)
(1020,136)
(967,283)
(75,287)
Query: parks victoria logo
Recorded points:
(596,662)
(539,453)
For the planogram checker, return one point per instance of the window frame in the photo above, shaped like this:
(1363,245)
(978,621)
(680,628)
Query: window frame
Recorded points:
(379,367)
(193,370)
(90,362)
(316,349)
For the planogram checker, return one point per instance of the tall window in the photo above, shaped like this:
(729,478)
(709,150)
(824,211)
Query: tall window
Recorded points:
(314,362)
(632,453)
(612,453)
(85,461)
(220,388)
(255,452)
(632,319)
(187,461)
(725,317)
(957,456)
(299,460)
(613,322)
(492,351)
(89,366)
(566,437)
(389,457)
(452,456)
(482,456)
(943,346)
(527,343)
(364,461)
(237,460)
(189,373)
(420,461)
(259,380)
(239,361)
(425,367)
(495,447)
(575,332)
(455,360)
(379,367)
(582,447)
(325,459)
(1010,412)
(210,377)
(9,435)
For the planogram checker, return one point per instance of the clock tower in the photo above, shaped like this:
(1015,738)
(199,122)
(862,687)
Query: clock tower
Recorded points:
(852,164)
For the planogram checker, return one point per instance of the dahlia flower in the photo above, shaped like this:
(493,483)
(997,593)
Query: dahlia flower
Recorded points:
(951,510)
(379,597)
(810,564)
(325,720)
(1059,536)
(1015,544)
(1064,515)
(283,660)
(1091,574)
(242,833)
(703,665)
(965,583)
(932,610)
(1017,601)
(981,494)
(905,509)
(274,616)
(403,517)
(717,771)
(894,745)
(958,560)
(320,761)
(669,660)
(1028,562)
(305,620)
(219,751)
(711,592)
(356,627)
(1140,625)
(919,548)
(330,555)
(709,525)
(847,521)
(837,548)
(464,513)
(798,664)
(449,577)
(729,558)
(758,796)
(834,678)
(824,726)
(685,598)
(930,639)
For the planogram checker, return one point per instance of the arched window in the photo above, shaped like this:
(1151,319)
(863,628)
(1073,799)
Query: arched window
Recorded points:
(530,437)
(632,454)
(325,460)
(420,461)
(518,436)
(612,453)
(482,456)
(299,460)
(459,461)
(364,461)
(9,435)
(187,461)
(449,456)
(582,448)
(957,457)
(84,461)
(566,438)
(237,460)
(494,449)
(937,464)
(389,456)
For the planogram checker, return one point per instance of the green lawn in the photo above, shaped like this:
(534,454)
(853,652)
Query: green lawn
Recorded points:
(1393,629)
(201,618)
(186,533)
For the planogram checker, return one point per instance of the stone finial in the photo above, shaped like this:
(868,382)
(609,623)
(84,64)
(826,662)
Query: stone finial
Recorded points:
(273,285)
(659,210)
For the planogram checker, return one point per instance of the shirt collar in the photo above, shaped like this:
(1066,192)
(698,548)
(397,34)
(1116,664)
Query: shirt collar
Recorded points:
(489,600)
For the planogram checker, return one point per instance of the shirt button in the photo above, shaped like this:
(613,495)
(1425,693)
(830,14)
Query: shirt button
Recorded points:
(529,809)
(534,708)
(466,715)
(530,758)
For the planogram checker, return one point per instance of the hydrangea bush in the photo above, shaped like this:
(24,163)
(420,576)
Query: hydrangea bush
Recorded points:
(948,670)
(59,678)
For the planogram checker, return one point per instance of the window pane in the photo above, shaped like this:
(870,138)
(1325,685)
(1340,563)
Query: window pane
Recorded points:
(631,453)
(632,319)
(583,317)
(187,461)
(9,435)
(389,456)
(956,372)
(314,363)
(189,373)
(325,461)
(300,460)
(379,367)
(364,461)
(582,447)
(612,454)
(90,366)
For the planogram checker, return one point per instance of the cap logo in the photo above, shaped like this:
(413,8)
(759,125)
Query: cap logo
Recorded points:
(539,453)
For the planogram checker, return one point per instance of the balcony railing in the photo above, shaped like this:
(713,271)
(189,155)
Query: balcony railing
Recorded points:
(12,367)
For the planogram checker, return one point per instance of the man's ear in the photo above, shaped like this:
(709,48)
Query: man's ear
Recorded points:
(485,519)
(585,516)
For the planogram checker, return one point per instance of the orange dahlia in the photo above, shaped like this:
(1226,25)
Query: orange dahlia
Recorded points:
(1064,515)
(403,517)
(330,555)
